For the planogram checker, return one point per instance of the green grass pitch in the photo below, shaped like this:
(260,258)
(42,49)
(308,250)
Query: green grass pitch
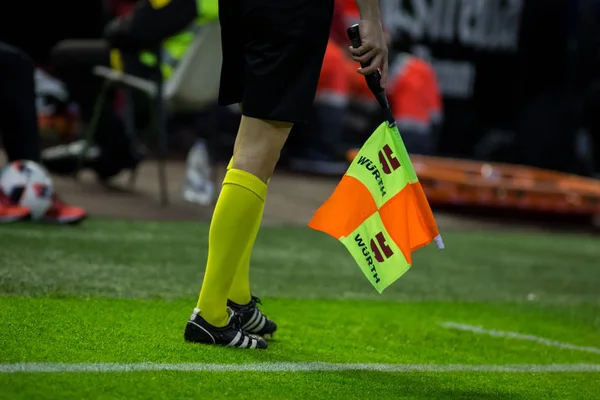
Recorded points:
(98,311)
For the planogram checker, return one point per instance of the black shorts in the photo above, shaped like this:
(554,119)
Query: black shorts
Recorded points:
(272,55)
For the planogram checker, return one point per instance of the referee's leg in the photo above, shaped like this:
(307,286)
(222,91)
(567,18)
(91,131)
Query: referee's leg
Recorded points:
(281,60)
(237,216)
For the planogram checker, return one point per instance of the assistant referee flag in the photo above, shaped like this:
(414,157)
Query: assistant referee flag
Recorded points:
(379,210)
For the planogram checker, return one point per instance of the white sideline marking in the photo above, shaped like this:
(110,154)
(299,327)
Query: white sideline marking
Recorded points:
(519,336)
(34,367)
(92,236)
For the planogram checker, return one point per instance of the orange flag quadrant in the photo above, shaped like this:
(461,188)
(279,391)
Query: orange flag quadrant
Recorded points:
(379,210)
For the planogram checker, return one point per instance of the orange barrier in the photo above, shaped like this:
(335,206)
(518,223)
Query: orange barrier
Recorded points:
(448,181)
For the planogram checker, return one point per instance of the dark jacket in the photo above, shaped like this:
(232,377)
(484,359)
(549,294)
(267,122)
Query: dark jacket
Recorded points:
(145,27)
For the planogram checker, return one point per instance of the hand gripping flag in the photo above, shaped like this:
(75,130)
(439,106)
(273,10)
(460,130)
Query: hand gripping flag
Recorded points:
(379,210)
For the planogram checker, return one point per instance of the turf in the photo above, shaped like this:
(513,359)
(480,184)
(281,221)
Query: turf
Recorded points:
(120,292)
(107,259)
(307,385)
(101,330)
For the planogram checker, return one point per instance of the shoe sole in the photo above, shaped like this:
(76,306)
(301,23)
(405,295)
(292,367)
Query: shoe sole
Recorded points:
(266,335)
(190,339)
(222,345)
(16,218)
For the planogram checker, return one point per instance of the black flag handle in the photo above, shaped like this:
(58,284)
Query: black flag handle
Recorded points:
(374,79)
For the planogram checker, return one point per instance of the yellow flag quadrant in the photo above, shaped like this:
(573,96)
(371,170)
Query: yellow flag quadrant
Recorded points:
(379,165)
(376,254)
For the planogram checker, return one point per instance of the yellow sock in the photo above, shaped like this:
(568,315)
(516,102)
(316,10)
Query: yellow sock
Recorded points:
(240,292)
(232,229)
(240,289)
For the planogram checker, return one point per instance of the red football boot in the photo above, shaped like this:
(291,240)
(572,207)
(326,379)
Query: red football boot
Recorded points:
(10,212)
(61,213)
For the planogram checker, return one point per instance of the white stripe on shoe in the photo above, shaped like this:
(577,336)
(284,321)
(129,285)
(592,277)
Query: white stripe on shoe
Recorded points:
(207,332)
(263,321)
(253,319)
(252,327)
(235,340)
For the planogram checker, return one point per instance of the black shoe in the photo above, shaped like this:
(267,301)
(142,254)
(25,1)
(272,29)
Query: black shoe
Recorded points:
(198,330)
(65,159)
(253,320)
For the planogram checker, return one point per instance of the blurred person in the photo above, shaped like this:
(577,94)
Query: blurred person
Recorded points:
(149,24)
(57,116)
(412,91)
(588,73)
(42,24)
(18,115)
(19,129)
(272,56)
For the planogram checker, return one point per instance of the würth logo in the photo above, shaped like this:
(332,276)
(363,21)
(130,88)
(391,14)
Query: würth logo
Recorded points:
(372,168)
(389,162)
(380,249)
(377,253)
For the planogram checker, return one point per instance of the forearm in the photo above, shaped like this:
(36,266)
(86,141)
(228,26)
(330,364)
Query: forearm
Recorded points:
(369,9)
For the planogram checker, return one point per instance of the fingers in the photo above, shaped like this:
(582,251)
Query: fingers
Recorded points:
(365,58)
(378,63)
(359,51)
(373,58)
(372,67)
(384,70)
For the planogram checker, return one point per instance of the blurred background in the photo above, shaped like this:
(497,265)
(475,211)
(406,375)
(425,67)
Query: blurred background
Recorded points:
(497,100)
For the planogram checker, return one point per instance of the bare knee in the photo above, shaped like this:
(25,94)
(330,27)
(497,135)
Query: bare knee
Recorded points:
(258,146)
